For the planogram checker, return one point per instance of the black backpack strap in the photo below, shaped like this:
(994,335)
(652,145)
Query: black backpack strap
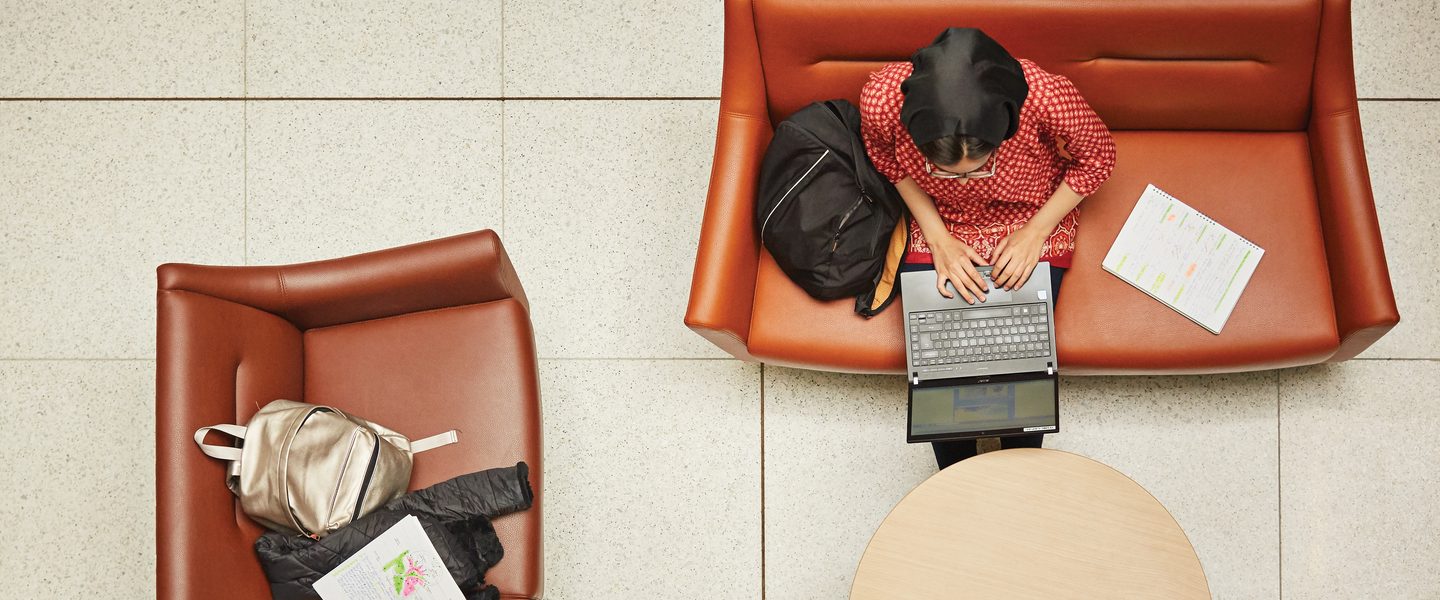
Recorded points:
(849,116)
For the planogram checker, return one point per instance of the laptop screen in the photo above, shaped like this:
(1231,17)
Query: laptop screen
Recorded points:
(979,409)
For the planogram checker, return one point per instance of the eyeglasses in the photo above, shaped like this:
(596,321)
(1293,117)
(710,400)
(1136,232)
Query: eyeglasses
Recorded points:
(980,173)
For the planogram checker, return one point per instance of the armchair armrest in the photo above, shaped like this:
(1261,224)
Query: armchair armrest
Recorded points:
(722,291)
(464,269)
(1364,301)
(215,359)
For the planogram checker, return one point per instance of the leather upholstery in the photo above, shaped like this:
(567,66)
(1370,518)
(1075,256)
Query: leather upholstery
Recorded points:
(421,339)
(1244,110)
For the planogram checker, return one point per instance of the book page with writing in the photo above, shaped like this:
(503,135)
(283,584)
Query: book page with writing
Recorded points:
(401,563)
(1183,259)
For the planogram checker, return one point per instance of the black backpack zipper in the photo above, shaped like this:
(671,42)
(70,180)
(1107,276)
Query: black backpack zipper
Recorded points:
(766,224)
(835,243)
(365,483)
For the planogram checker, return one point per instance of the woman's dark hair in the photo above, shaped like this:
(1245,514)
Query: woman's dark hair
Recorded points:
(951,149)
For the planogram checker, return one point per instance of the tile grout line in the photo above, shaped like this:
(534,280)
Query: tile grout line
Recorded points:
(503,152)
(503,66)
(245,134)
(762,481)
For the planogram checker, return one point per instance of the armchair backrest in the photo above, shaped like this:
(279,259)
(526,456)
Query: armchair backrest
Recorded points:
(1237,65)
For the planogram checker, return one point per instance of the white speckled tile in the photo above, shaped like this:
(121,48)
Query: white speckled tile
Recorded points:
(137,49)
(77,491)
(335,178)
(836,462)
(667,48)
(1205,447)
(602,217)
(1395,41)
(652,479)
(420,48)
(96,195)
(1360,472)
(1402,140)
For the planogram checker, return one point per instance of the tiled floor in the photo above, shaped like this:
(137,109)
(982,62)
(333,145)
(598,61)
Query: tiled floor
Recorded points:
(582,131)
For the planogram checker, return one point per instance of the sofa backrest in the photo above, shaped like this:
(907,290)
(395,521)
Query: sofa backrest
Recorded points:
(1241,65)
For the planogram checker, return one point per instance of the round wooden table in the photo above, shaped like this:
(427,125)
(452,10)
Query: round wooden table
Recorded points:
(1029,523)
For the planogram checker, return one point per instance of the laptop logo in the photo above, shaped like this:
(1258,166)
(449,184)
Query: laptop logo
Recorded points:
(1045,428)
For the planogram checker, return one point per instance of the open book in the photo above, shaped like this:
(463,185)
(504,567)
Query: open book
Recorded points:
(1183,259)
(400,564)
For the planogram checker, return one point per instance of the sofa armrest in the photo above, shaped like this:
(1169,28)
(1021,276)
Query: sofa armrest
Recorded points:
(464,269)
(722,291)
(1364,301)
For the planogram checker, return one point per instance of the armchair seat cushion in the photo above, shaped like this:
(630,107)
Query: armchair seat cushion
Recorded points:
(1258,184)
(466,368)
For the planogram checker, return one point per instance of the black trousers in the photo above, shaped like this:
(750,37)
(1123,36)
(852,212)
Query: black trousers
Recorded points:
(949,453)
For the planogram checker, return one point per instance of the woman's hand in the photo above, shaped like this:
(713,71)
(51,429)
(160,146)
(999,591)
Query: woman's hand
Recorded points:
(1016,256)
(955,262)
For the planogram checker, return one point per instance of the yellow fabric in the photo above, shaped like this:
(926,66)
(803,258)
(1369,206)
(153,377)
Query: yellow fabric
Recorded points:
(899,242)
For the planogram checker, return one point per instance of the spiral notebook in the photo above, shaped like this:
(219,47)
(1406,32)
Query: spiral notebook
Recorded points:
(1182,258)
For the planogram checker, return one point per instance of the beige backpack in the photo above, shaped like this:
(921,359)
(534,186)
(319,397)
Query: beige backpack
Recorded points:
(313,469)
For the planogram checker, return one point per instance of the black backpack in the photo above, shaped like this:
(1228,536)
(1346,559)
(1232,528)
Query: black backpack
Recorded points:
(826,215)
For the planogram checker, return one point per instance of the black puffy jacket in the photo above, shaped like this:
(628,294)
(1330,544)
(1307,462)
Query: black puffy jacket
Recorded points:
(455,515)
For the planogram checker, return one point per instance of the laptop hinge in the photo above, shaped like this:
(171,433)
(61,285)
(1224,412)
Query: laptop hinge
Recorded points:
(914,378)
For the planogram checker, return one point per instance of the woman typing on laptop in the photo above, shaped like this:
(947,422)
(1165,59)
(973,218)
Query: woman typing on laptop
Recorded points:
(992,155)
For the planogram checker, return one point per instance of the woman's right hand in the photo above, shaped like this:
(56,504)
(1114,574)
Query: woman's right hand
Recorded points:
(955,262)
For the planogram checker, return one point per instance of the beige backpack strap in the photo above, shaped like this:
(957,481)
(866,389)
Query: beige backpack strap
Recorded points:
(229,453)
(434,441)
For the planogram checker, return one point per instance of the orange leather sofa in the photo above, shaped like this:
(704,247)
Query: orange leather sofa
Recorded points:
(1245,110)
(421,339)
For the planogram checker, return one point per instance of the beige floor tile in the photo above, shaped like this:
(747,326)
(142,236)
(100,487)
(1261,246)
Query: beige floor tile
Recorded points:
(1395,42)
(139,49)
(1360,473)
(329,179)
(1205,447)
(96,195)
(652,479)
(836,462)
(424,48)
(602,216)
(670,48)
(77,492)
(1402,140)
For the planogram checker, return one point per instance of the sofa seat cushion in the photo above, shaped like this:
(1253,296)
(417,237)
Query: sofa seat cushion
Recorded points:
(1260,185)
(470,368)
(790,328)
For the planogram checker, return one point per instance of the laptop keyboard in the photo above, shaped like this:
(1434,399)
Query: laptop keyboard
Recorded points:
(964,335)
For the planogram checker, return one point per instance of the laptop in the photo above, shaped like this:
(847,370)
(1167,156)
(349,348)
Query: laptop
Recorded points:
(981,370)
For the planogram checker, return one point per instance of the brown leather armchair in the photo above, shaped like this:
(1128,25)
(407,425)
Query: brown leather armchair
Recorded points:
(1245,110)
(422,339)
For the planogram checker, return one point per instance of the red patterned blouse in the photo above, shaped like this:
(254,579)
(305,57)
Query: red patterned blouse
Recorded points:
(1028,167)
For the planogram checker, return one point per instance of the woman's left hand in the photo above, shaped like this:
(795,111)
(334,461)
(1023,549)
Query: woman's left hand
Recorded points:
(1015,257)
